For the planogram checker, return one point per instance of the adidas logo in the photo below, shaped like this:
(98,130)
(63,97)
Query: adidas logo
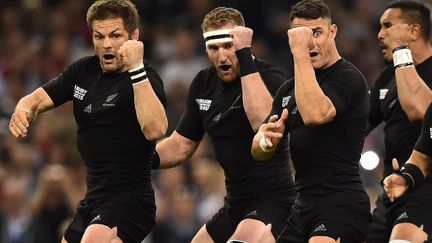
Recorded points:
(430,130)
(88,109)
(320,228)
(404,215)
(253,213)
(217,117)
(294,111)
(97,218)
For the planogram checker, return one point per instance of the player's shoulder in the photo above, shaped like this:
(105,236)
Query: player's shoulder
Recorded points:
(86,63)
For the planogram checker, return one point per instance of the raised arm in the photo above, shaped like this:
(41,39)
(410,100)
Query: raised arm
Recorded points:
(257,100)
(149,110)
(175,150)
(314,106)
(413,93)
(26,111)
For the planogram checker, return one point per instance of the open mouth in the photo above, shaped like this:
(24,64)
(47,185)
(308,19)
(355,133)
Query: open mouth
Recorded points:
(225,67)
(313,54)
(108,56)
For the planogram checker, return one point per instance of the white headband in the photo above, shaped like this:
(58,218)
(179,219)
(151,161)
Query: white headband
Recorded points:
(217,36)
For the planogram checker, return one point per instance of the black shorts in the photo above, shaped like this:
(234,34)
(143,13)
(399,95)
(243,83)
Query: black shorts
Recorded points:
(223,224)
(133,217)
(413,207)
(346,219)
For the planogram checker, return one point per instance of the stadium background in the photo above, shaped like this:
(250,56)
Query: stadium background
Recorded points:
(42,177)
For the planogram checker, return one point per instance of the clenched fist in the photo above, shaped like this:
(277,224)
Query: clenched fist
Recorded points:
(132,53)
(242,37)
(300,40)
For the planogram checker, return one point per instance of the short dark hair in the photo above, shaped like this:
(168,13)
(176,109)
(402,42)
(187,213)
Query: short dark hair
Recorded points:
(414,12)
(310,9)
(108,9)
(220,16)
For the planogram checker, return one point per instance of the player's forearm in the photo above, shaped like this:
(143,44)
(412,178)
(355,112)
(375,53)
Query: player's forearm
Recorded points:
(257,100)
(175,150)
(150,112)
(422,161)
(414,95)
(314,106)
(39,97)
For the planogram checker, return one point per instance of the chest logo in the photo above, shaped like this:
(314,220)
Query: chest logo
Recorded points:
(382,93)
(79,92)
(109,99)
(203,104)
(285,100)
(294,111)
(430,131)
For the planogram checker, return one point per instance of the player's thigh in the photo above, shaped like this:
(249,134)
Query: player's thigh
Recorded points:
(267,212)
(202,236)
(349,222)
(379,228)
(99,233)
(252,230)
(409,232)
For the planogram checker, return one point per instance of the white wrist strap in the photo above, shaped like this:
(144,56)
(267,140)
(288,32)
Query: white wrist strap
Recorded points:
(402,57)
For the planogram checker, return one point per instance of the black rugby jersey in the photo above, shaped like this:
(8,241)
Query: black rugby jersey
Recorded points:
(424,142)
(326,156)
(400,133)
(216,107)
(109,137)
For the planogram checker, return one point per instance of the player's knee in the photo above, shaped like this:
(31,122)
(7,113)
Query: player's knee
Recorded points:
(407,232)
(98,233)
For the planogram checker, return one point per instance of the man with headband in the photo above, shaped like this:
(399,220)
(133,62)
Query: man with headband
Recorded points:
(229,101)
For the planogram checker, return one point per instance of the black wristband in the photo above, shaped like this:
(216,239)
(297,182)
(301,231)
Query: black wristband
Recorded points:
(413,176)
(156,161)
(247,65)
(138,75)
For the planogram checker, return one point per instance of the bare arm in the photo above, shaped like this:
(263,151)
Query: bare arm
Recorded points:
(257,100)
(175,150)
(422,161)
(314,106)
(149,110)
(414,95)
(26,111)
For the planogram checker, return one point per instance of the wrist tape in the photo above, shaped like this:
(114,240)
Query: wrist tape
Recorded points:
(247,65)
(413,176)
(263,145)
(402,57)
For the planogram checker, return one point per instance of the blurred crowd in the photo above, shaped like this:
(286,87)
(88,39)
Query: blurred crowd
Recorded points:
(42,176)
